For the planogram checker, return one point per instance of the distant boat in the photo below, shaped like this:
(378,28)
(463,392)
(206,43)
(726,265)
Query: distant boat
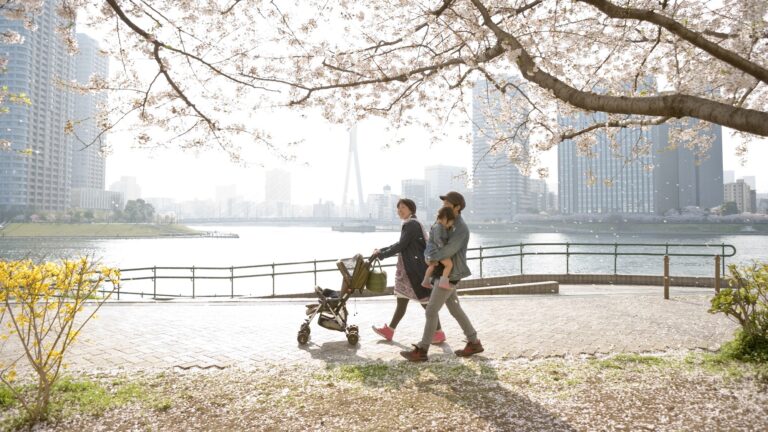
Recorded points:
(354,228)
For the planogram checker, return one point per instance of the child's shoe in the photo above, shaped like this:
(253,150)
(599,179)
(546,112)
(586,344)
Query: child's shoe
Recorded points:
(386,332)
(444,282)
(438,337)
(426,283)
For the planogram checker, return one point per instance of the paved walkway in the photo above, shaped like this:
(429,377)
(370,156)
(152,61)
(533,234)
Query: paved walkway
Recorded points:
(580,320)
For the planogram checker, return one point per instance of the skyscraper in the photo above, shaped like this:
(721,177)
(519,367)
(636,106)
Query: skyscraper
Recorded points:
(128,187)
(416,189)
(620,177)
(499,189)
(441,179)
(278,193)
(88,162)
(682,178)
(612,179)
(36,174)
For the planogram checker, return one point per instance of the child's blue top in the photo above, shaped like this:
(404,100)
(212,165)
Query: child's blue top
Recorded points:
(438,236)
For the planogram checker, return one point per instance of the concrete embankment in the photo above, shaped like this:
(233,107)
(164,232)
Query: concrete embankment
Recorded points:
(101,231)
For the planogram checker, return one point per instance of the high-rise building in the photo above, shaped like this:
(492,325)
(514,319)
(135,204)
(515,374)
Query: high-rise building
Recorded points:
(128,186)
(278,193)
(499,190)
(740,193)
(416,189)
(97,199)
(88,162)
(682,178)
(604,181)
(381,207)
(35,174)
(539,196)
(441,179)
(323,210)
(226,199)
(617,177)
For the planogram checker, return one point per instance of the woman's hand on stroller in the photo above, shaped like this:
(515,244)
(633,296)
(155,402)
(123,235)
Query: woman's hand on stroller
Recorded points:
(374,255)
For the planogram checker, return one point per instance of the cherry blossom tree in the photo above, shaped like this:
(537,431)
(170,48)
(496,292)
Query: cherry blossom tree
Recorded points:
(201,72)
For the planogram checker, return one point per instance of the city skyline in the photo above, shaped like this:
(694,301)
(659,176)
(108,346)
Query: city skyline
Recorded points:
(320,168)
(317,161)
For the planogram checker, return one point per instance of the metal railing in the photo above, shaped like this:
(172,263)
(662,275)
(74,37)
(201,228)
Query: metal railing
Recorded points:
(517,251)
(668,250)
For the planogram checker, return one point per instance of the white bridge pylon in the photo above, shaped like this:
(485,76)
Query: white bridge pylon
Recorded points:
(353,155)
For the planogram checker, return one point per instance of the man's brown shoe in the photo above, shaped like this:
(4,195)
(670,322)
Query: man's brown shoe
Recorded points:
(472,348)
(417,355)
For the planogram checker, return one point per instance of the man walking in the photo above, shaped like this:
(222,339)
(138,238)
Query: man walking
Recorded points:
(456,249)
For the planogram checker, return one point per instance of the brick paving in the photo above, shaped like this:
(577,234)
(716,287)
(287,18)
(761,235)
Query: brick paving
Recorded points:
(581,320)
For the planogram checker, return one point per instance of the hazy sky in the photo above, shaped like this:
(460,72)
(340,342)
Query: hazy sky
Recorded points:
(318,171)
(319,168)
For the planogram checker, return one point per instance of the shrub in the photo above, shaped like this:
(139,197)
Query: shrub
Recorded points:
(746,302)
(39,303)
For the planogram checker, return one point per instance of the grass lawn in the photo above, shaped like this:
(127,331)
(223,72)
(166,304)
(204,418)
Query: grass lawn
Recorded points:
(95,230)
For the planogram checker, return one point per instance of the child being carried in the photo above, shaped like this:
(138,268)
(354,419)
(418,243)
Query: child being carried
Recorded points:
(438,236)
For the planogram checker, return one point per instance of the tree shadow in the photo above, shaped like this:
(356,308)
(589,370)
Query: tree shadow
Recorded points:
(444,387)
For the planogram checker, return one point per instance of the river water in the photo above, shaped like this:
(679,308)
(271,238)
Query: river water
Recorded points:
(279,244)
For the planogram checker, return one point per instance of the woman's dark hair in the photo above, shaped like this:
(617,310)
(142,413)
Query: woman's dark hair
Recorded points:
(446,213)
(408,203)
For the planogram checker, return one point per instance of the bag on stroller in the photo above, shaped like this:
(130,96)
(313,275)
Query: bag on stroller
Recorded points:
(331,309)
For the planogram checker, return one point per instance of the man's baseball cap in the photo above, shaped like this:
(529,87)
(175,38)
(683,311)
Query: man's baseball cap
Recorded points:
(454,198)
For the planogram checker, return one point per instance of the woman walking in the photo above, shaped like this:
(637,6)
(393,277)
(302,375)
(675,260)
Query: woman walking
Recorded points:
(411,268)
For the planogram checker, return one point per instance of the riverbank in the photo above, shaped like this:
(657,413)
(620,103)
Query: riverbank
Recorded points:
(625,228)
(97,230)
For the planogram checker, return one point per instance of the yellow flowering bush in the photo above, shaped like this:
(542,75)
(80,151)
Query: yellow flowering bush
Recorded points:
(39,304)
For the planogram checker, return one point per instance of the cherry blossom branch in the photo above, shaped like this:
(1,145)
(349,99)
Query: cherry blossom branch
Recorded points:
(232,6)
(694,38)
(620,124)
(672,105)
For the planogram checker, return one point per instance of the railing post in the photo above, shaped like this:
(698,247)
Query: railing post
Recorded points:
(717,273)
(615,257)
(567,258)
(154,282)
(273,278)
(722,253)
(481,262)
(231,282)
(521,258)
(193,281)
(314,271)
(666,277)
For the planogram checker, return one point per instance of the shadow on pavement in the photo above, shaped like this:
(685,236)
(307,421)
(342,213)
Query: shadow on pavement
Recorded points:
(333,351)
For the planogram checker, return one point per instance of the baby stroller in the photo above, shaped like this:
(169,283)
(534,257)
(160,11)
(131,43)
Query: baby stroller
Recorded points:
(331,309)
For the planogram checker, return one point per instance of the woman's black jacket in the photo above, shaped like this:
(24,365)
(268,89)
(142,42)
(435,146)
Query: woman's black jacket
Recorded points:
(411,248)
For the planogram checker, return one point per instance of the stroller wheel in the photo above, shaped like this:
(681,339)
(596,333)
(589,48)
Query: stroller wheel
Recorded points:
(353,329)
(303,338)
(352,338)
